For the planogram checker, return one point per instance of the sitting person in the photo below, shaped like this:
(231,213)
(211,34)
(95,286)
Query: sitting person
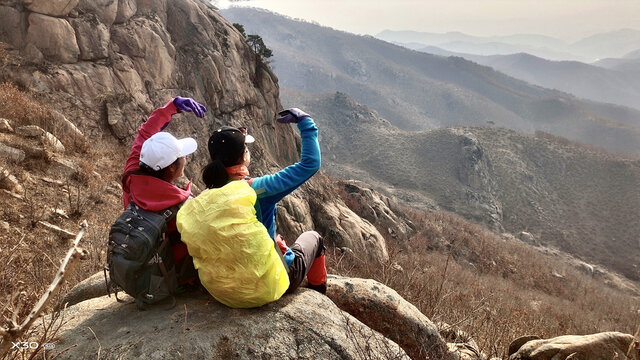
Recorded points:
(230,228)
(157,159)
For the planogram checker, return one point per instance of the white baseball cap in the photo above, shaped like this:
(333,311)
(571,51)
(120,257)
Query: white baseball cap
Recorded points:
(162,149)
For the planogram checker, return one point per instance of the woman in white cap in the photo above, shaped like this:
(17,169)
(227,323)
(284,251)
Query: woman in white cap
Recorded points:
(157,159)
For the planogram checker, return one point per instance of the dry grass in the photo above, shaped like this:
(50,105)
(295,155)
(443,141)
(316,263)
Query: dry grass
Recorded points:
(20,107)
(4,55)
(496,290)
(31,252)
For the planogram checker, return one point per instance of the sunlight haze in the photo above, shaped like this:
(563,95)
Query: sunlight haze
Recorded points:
(567,20)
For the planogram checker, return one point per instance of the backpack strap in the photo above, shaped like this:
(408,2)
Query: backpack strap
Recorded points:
(170,213)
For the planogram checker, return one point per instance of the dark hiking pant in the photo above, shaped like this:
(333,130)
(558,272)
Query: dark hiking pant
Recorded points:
(309,253)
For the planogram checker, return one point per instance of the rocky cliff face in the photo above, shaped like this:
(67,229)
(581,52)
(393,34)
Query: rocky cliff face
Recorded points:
(106,64)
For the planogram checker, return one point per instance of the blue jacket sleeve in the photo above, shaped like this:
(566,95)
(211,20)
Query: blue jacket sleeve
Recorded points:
(288,179)
(272,188)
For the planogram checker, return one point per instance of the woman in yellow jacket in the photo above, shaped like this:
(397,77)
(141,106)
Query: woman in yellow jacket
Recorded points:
(230,228)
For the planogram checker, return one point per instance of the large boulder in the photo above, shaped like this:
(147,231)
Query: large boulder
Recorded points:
(382,309)
(90,288)
(5,126)
(126,9)
(93,37)
(379,209)
(342,227)
(11,26)
(302,325)
(53,37)
(606,345)
(9,182)
(51,7)
(10,153)
(149,46)
(71,134)
(104,10)
(294,216)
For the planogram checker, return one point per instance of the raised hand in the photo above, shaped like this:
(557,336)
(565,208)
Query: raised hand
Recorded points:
(293,115)
(189,105)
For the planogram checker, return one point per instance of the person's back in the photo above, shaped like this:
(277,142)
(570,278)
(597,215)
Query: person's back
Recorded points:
(235,257)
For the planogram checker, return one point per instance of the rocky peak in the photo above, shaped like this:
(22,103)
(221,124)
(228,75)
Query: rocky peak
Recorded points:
(106,64)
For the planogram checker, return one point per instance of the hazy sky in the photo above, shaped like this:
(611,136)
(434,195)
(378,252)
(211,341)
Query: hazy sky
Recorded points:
(565,19)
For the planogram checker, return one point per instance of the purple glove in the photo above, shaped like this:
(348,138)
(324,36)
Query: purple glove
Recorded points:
(293,115)
(189,105)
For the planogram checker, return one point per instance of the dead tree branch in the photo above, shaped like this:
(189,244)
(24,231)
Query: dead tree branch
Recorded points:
(15,331)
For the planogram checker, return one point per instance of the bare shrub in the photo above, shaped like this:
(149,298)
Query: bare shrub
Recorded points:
(16,324)
(494,290)
(4,55)
(22,108)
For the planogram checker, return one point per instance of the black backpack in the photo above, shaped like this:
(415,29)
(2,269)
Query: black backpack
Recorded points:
(139,256)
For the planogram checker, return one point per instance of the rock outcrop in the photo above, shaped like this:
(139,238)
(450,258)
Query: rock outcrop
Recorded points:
(377,306)
(53,37)
(108,64)
(344,228)
(607,345)
(105,65)
(11,153)
(302,325)
(379,209)
(474,171)
(382,309)
(51,7)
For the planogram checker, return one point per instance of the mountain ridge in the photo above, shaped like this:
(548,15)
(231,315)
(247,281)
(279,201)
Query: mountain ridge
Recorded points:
(563,193)
(591,82)
(602,45)
(418,91)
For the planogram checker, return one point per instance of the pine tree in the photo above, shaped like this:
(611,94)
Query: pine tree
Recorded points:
(258,46)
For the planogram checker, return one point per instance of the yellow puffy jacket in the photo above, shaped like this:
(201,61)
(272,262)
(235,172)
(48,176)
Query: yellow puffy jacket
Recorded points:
(236,259)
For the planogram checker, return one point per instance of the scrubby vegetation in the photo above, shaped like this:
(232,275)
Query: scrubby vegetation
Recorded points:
(54,189)
(20,107)
(495,289)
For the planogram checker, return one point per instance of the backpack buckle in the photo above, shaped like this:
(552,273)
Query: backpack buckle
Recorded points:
(167,213)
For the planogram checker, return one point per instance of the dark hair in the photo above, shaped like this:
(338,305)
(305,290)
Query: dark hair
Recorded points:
(215,175)
(156,173)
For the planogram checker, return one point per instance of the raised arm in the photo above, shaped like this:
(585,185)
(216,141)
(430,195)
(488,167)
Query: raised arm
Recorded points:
(157,121)
(288,179)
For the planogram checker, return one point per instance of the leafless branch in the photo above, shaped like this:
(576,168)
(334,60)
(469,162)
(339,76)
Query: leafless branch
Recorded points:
(16,331)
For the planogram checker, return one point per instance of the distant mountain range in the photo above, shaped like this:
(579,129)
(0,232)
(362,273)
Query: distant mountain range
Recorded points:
(613,44)
(418,91)
(615,81)
(576,198)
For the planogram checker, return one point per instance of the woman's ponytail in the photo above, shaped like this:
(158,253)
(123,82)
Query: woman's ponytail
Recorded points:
(214,175)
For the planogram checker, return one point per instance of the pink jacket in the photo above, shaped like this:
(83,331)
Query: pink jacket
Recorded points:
(150,193)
